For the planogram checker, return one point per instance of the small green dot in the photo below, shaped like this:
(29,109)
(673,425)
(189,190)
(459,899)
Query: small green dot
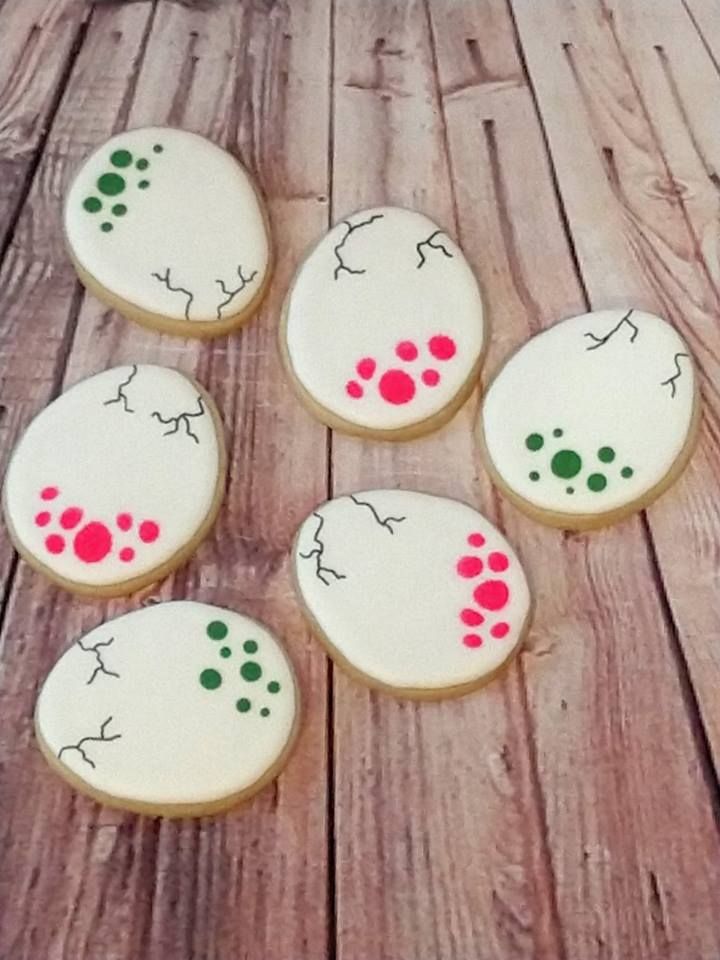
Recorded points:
(210,679)
(569,489)
(217,630)
(119,209)
(144,184)
(225,652)
(250,671)
(92,204)
(106,227)
(566,464)
(596,482)
(121,158)
(243,705)
(111,184)
(264,712)
(557,432)
(626,472)
(273,687)
(157,148)
(142,164)
(250,646)
(534,441)
(606,454)
(534,475)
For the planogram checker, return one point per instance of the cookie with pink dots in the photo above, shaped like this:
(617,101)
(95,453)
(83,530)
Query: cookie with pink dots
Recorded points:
(116,482)
(383,328)
(411,593)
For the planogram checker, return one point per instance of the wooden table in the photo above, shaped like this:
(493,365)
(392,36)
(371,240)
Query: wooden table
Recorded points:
(570,810)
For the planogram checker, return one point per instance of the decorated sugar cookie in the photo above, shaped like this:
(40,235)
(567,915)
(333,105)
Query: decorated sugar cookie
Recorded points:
(114,484)
(593,418)
(178,709)
(383,328)
(167,228)
(411,593)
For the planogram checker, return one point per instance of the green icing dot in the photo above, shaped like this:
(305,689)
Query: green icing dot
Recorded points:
(606,454)
(557,432)
(626,472)
(250,646)
(534,441)
(273,687)
(121,158)
(243,705)
(264,712)
(566,464)
(570,490)
(250,671)
(142,164)
(534,475)
(217,630)
(210,679)
(225,652)
(111,184)
(144,184)
(157,148)
(92,204)
(119,209)
(596,482)
(106,227)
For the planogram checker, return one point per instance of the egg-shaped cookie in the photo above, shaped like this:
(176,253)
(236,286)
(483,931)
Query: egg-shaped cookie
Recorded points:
(178,709)
(168,228)
(383,328)
(592,419)
(115,483)
(414,594)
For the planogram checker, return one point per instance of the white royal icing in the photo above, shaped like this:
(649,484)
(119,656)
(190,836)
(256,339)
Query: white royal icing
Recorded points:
(384,321)
(591,414)
(169,222)
(415,591)
(175,703)
(115,476)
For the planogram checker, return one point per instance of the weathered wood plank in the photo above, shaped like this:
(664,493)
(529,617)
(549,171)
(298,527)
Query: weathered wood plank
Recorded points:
(252,883)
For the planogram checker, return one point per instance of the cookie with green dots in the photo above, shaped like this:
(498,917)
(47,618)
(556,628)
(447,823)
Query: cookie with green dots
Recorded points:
(178,709)
(592,419)
(168,229)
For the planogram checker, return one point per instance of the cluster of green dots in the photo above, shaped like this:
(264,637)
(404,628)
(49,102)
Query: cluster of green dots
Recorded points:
(567,464)
(112,184)
(250,670)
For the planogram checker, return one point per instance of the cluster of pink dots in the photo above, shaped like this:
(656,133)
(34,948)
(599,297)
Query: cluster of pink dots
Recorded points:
(491,595)
(397,386)
(93,541)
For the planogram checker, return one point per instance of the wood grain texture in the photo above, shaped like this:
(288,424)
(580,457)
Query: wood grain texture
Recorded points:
(570,809)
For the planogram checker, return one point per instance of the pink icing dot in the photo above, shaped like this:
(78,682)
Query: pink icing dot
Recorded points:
(498,562)
(70,518)
(476,540)
(500,630)
(397,387)
(93,542)
(149,531)
(124,521)
(469,566)
(127,554)
(353,389)
(492,594)
(42,519)
(431,378)
(55,543)
(406,350)
(472,640)
(442,347)
(365,368)
(49,493)
(471,618)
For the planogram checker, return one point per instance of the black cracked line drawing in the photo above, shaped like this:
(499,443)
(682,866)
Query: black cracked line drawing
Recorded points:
(671,380)
(433,246)
(351,228)
(121,397)
(101,739)
(165,280)
(600,341)
(383,522)
(229,294)
(317,553)
(184,417)
(100,668)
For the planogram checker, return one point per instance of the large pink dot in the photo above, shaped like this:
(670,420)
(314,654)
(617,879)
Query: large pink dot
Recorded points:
(127,554)
(42,519)
(498,562)
(431,378)
(442,347)
(55,543)
(93,542)
(353,389)
(149,531)
(124,521)
(500,630)
(492,594)
(406,350)
(365,368)
(472,640)
(70,518)
(469,566)
(471,618)
(397,387)
(49,493)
